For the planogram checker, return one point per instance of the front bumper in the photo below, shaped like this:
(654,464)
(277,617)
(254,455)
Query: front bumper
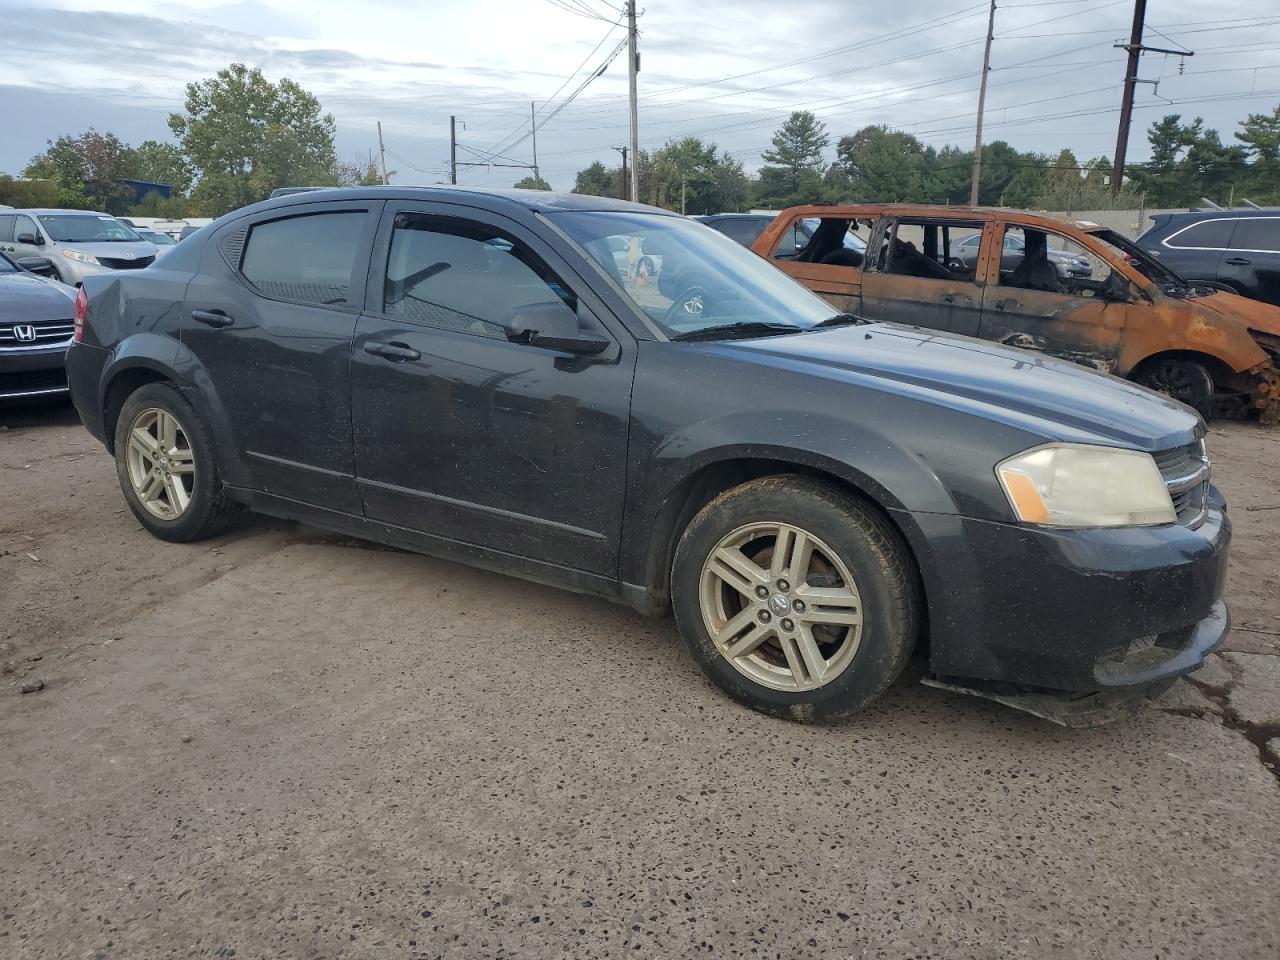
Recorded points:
(33,372)
(1075,611)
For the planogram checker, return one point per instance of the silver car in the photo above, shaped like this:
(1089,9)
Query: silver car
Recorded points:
(77,242)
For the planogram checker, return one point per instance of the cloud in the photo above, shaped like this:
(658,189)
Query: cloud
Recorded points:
(412,65)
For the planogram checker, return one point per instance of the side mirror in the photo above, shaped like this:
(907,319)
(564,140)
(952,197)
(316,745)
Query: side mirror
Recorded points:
(554,326)
(1117,289)
(30,238)
(41,265)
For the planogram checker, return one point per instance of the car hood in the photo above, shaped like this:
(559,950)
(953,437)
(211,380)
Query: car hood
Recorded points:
(25,298)
(116,250)
(1052,398)
(1234,308)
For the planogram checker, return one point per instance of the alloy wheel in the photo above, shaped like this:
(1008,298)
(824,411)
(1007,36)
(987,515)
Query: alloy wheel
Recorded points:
(161,464)
(781,606)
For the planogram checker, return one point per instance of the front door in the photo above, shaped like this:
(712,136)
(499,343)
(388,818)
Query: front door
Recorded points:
(467,433)
(1054,296)
(270,316)
(916,275)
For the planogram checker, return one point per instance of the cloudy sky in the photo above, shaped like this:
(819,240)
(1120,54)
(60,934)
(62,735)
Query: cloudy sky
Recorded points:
(726,70)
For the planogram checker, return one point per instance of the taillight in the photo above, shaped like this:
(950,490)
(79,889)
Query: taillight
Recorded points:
(82,314)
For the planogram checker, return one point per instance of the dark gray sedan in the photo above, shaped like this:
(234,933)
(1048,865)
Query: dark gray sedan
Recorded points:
(815,496)
(36,322)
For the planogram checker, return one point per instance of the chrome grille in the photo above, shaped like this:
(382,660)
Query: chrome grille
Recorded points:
(48,333)
(1186,475)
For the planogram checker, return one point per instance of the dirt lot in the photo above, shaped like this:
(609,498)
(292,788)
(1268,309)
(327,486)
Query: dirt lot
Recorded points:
(285,744)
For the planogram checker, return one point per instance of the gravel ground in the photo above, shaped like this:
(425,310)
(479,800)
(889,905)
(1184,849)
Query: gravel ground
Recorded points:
(285,744)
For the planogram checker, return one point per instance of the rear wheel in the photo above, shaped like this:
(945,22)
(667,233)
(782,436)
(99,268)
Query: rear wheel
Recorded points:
(166,468)
(1182,379)
(795,599)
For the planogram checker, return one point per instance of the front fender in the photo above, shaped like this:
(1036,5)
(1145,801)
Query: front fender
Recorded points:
(166,357)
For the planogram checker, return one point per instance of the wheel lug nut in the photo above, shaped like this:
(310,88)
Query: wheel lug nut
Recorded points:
(798,606)
(765,616)
(787,624)
(762,592)
(784,586)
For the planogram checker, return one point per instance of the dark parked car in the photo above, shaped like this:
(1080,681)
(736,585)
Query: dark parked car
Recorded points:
(1235,250)
(463,373)
(35,328)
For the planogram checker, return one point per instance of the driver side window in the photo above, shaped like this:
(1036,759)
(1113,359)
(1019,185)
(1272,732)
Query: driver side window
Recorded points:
(463,276)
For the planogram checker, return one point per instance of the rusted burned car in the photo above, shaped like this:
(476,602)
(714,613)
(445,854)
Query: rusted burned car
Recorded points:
(1069,288)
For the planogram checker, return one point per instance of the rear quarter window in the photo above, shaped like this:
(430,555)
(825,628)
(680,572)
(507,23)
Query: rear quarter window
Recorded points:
(1257,234)
(1206,235)
(307,258)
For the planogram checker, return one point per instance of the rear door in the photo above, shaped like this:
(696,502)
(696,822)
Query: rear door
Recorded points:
(464,433)
(914,278)
(270,316)
(1251,262)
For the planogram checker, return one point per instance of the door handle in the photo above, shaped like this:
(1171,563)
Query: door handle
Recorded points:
(1238,261)
(1007,304)
(396,352)
(948,298)
(212,318)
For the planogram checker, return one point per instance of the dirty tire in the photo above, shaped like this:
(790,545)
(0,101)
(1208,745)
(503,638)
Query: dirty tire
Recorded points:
(1182,379)
(210,511)
(863,541)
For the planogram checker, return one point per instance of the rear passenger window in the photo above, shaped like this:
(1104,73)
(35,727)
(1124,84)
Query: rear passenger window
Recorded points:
(1211,235)
(1257,234)
(308,258)
(463,276)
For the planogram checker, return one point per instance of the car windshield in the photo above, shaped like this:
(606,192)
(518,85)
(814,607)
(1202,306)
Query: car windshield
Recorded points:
(86,228)
(155,236)
(690,280)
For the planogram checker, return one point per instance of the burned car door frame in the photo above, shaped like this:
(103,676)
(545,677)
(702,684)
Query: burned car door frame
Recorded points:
(941,301)
(1086,329)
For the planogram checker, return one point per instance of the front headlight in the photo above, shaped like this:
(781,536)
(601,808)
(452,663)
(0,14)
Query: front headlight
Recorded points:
(1075,485)
(80,256)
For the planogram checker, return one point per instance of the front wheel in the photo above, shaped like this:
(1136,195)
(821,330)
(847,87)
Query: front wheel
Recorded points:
(166,468)
(795,598)
(1181,379)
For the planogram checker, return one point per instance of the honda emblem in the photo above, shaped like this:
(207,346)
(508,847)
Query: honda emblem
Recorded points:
(24,333)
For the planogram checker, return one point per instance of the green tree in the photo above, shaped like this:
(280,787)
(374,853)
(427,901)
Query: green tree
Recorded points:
(695,177)
(948,173)
(794,166)
(357,173)
(1260,134)
(245,136)
(883,165)
(531,183)
(87,170)
(161,163)
(32,193)
(597,180)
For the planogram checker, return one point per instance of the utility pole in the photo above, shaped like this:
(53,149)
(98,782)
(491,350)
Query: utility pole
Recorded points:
(1135,49)
(623,185)
(1130,84)
(382,153)
(453,149)
(633,67)
(684,190)
(982,105)
(533,132)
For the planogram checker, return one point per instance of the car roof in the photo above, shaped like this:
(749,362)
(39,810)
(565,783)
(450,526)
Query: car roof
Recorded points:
(1233,213)
(1050,221)
(51,211)
(543,201)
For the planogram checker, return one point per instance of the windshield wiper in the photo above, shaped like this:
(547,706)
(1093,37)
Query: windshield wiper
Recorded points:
(746,328)
(842,320)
